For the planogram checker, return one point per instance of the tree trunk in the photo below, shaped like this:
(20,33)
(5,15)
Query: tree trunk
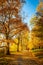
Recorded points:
(8,52)
(18,47)
(21,45)
(18,44)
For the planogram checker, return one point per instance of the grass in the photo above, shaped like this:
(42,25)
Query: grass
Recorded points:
(38,53)
(37,50)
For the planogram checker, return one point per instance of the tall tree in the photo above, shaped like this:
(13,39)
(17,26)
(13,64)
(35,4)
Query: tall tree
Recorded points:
(37,31)
(11,23)
(23,39)
(37,27)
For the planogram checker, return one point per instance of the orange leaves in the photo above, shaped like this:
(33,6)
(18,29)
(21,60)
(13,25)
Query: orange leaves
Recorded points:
(3,0)
(12,6)
(9,9)
(7,41)
(2,30)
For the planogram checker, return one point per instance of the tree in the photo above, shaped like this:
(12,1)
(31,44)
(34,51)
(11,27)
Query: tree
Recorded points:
(37,31)
(40,8)
(23,39)
(37,27)
(10,21)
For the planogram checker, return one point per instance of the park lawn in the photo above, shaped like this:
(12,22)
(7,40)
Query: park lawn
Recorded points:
(38,53)
(37,50)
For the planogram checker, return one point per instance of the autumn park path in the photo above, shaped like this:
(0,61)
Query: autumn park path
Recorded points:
(20,59)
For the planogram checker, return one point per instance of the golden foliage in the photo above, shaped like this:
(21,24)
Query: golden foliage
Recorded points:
(40,8)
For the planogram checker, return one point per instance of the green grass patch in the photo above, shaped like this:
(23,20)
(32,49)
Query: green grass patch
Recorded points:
(38,53)
(37,50)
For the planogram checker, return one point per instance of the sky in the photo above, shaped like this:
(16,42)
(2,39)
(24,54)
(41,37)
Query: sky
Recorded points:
(29,8)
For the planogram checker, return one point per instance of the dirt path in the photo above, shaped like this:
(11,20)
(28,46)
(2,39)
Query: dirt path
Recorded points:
(20,59)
